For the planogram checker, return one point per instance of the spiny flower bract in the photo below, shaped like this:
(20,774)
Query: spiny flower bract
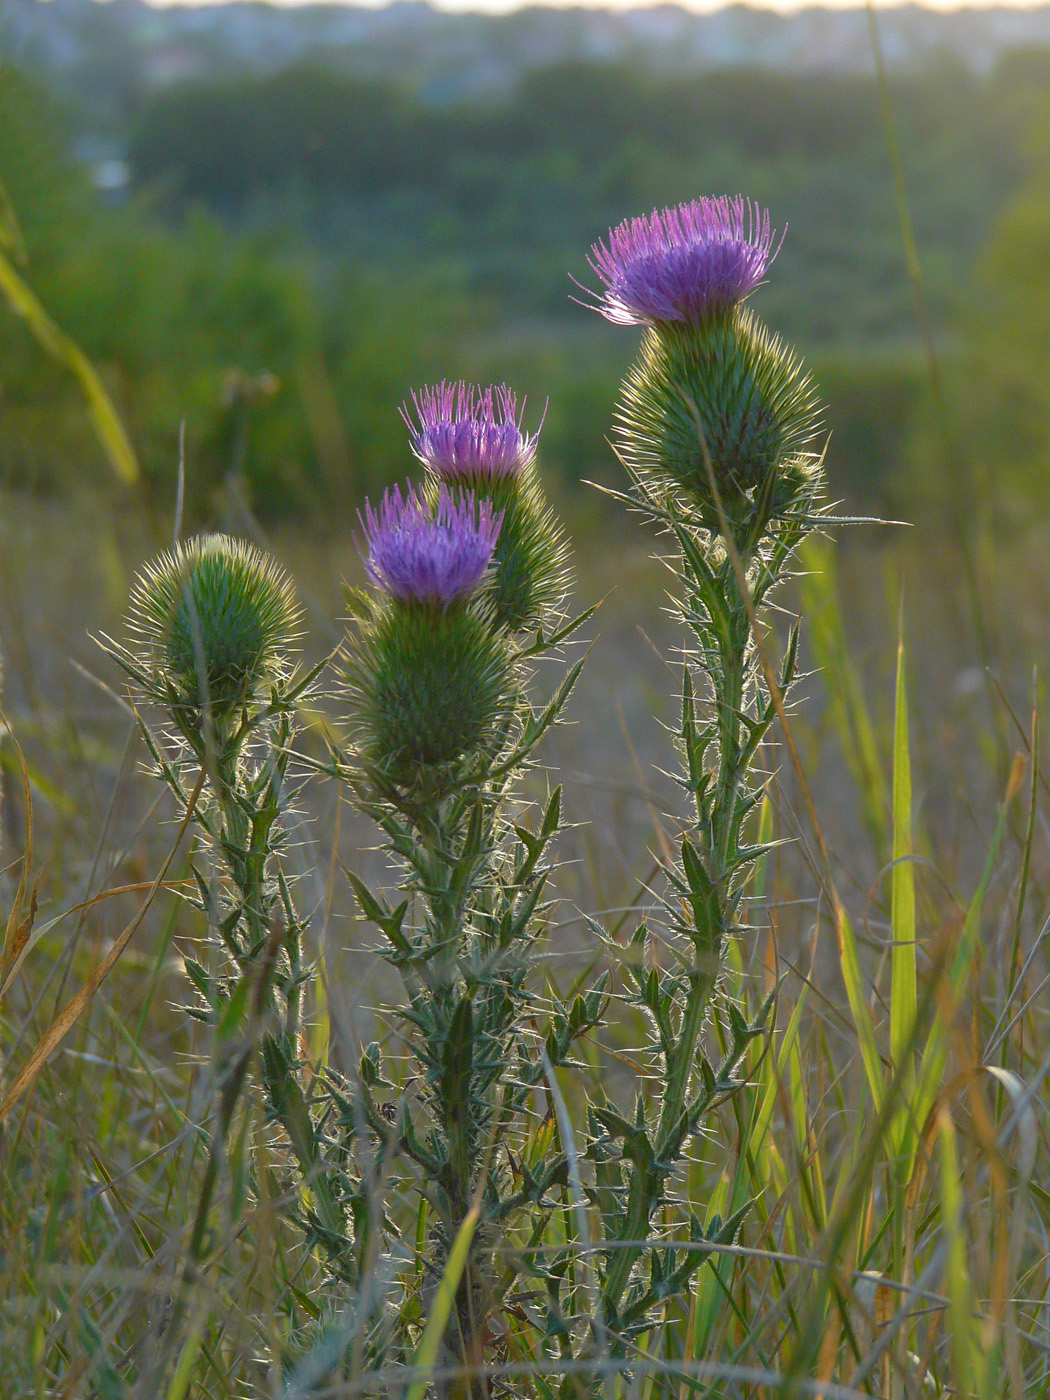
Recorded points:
(215,617)
(472,437)
(429,686)
(683,263)
(728,400)
(464,433)
(419,556)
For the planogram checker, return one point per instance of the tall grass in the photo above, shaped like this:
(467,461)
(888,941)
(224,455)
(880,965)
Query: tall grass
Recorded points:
(896,1165)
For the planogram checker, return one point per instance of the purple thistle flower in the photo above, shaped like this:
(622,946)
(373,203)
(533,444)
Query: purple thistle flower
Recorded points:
(416,556)
(678,264)
(468,432)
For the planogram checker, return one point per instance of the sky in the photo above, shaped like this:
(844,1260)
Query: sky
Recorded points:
(701,6)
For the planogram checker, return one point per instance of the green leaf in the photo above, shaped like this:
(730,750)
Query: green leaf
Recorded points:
(201,979)
(703,898)
(552,816)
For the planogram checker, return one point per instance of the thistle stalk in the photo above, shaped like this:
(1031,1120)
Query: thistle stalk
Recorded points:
(443,729)
(713,426)
(214,624)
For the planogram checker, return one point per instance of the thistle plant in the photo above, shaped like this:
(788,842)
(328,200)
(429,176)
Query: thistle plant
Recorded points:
(215,624)
(716,410)
(443,729)
(435,1134)
(712,425)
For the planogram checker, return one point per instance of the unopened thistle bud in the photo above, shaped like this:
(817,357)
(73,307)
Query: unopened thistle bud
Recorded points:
(473,438)
(215,619)
(715,407)
(430,675)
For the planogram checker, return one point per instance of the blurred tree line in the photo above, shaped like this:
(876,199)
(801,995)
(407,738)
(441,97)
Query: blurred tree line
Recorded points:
(299,250)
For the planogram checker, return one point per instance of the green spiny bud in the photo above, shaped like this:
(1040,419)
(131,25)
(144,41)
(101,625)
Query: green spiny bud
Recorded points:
(215,618)
(429,675)
(721,397)
(430,684)
(472,439)
(530,562)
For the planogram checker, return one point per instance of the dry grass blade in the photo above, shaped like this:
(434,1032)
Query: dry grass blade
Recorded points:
(20,920)
(74,1009)
(104,417)
(40,930)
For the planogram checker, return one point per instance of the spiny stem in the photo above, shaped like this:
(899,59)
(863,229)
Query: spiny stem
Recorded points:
(716,812)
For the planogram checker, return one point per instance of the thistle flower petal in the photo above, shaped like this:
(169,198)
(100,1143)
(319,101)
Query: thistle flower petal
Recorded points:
(419,557)
(681,264)
(463,432)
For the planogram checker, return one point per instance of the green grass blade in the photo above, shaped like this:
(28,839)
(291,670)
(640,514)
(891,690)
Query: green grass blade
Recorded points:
(183,1377)
(903,996)
(849,963)
(444,1297)
(847,703)
(770,1076)
(965,1333)
(811,1167)
(708,1301)
(108,428)
(1026,863)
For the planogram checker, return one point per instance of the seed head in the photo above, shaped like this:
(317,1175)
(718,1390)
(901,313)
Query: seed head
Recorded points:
(682,264)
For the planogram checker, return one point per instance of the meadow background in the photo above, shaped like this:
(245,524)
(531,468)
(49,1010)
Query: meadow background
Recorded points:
(262,250)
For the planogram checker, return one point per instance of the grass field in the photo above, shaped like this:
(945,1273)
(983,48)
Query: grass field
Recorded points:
(894,1118)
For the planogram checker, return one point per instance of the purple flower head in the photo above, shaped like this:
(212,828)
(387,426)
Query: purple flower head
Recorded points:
(466,432)
(417,556)
(679,264)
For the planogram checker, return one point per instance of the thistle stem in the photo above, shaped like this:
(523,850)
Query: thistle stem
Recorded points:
(725,637)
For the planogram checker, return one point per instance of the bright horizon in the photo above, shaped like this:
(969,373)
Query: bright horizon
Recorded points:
(697,6)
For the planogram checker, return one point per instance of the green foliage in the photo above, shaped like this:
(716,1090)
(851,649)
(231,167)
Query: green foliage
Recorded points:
(332,130)
(999,381)
(872,399)
(266,285)
(281,370)
(519,182)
